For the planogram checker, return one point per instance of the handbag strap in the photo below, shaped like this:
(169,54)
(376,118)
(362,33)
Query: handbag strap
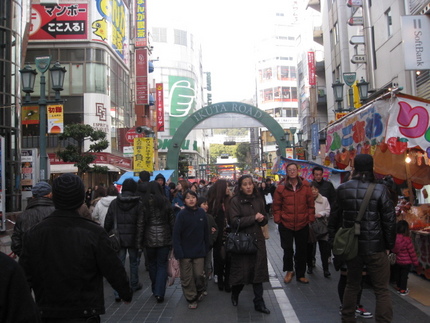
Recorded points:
(365,201)
(238,225)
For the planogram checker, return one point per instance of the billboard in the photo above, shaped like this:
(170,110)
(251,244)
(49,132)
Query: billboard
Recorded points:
(97,115)
(416,47)
(182,100)
(59,22)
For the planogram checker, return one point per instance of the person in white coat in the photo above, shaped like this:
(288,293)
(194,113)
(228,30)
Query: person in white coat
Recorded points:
(101,208)
(319,227)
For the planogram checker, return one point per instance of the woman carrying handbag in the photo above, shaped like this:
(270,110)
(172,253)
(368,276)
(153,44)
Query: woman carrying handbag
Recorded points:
(247,214)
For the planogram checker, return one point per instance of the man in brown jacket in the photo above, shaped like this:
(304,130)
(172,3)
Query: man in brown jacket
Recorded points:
(293,210)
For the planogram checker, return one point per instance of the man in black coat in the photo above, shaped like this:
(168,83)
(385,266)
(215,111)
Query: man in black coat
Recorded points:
(377,237)
(66,256)
(17,304)
(38,208)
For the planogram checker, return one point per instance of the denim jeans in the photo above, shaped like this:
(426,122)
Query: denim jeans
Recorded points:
(157,258)
(133,258)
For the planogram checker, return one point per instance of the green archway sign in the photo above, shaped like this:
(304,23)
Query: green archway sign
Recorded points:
(212,110)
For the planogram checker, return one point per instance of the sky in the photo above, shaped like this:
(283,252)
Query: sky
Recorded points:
(228,30)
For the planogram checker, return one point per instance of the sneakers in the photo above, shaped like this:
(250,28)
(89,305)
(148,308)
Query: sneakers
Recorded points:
(403,292)
(215,279)
(360,311)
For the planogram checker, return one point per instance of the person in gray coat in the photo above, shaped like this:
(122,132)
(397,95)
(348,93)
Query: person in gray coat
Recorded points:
(247,213)
(38,208)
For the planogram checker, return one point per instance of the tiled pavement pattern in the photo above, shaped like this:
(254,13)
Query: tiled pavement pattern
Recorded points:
(295,302)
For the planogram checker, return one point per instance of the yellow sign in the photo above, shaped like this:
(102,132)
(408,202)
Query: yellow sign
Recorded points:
(289,152)
(143,154)
(55,114)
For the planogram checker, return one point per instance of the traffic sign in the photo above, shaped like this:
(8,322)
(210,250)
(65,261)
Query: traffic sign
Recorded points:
(356,21)
(357,39)
(131,134)
(356,59)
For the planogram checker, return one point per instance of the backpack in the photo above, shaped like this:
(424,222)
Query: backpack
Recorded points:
(345,244)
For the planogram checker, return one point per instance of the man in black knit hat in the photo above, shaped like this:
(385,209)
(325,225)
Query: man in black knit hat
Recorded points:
(66,256)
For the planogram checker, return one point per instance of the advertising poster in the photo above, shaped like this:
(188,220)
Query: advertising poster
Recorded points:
(59,22)
(182,100)
(109,24)
(143,154)
(97,115)
(160,106)
(55,118)
(30,114)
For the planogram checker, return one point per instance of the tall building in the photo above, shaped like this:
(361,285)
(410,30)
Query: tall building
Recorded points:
(276,73)
(15,16)
(91,39)
(178,66)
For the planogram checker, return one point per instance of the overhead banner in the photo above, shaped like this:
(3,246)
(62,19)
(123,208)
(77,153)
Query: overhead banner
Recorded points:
(416,47)
(160,106)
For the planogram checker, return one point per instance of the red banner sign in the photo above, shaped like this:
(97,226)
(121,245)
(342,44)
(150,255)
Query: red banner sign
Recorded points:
(311,68)
(160,106)
(142,91)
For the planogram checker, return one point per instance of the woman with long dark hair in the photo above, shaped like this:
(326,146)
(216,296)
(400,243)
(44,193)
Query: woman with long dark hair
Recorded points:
(218,200)
(247,214)
(155,227)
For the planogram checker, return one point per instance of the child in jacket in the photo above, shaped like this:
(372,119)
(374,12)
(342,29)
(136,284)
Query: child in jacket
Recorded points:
(405,256)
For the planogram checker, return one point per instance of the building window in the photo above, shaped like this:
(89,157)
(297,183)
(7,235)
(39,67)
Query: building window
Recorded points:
(389,20)
(159,35)
(180,37)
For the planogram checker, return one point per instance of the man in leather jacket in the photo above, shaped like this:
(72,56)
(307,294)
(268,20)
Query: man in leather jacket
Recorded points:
(38,208)
(377,237)
(65,258)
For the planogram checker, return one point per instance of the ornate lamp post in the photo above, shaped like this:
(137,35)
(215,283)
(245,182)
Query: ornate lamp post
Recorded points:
(363,89)
(338,94)
(28,77)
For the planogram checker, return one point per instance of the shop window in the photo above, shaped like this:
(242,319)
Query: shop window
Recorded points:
(72,55)
(96,78)
(77,78)
(159,35)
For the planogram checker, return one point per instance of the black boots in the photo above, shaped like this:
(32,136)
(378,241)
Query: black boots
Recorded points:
(262,308)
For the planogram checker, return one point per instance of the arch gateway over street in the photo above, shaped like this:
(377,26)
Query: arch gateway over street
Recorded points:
(209,111)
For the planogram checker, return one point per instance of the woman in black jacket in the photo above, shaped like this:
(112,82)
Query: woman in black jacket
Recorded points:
(247,214)
(154,227)
(126,208)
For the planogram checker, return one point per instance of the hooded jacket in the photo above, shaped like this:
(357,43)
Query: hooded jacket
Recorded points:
(405,251)
(37,209)
(126,208)
(166,189)
(294,209)
(378,225)
(101,208)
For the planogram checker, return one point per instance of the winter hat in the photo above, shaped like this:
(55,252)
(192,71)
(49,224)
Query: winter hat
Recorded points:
(129,185)
(68,192)
(41,189)
(160,176)
(363,163)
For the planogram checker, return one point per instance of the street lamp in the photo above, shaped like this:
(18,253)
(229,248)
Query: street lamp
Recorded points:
(338,94)
(363,89)
(28,77)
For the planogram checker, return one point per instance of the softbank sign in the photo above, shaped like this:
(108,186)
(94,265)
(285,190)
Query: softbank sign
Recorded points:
(416,45)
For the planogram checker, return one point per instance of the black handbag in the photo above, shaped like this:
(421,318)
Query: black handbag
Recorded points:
(114,237)
(241,243)
(319,226)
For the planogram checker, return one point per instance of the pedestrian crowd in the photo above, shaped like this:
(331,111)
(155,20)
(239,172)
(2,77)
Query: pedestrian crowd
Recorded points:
(63,244)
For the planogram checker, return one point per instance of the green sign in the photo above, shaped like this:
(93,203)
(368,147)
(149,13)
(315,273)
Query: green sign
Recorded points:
(182,100)
(43,63)
(349,78)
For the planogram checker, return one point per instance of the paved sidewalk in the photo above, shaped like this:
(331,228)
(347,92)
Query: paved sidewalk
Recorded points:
(295,302)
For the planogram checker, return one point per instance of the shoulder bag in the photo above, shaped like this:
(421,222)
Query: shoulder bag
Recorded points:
(114,236)
(345,244)
(241,243)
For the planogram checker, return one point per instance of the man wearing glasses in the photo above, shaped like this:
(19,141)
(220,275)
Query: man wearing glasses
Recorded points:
(293,210)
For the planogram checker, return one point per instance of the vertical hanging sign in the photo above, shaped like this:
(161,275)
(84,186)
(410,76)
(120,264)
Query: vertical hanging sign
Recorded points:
(142,93)
(55,118)
(160,106)
(143,154)
(311,68)
(141,40)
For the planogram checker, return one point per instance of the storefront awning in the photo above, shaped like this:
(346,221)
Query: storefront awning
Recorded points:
(70,168)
